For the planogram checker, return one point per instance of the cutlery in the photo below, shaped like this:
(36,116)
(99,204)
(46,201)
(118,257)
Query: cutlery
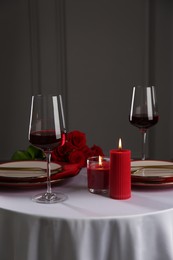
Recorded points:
(28,169)
(138,169)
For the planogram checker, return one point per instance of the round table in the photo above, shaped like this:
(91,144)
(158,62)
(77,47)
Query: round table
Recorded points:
(86,226)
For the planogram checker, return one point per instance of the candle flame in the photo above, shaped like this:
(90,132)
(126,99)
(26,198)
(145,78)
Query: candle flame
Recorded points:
(100,160)
(120,144)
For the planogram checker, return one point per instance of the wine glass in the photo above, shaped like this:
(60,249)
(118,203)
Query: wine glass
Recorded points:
(47,131)
(143,111)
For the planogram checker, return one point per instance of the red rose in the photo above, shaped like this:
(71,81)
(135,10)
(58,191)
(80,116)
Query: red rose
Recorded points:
(96,150)
(77,138)
(65,149)
(75,149)
(55,157)
(77,157)
(87,152)
(61,152)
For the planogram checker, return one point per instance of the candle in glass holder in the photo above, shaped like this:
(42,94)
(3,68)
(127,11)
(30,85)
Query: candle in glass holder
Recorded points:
(98,174)
(120,173)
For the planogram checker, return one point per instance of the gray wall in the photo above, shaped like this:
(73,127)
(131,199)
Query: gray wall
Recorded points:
(93,52)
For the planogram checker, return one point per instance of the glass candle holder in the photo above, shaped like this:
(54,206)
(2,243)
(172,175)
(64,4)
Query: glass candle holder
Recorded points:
(98,174)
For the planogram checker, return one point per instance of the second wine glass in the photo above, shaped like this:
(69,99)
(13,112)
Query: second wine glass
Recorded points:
(143,111)
(47,131)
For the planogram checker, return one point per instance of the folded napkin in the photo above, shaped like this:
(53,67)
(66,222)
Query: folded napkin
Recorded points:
(68,170)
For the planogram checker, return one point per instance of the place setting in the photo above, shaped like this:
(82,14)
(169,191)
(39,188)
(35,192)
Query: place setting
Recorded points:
(54,155)
(34,167)
(144,115)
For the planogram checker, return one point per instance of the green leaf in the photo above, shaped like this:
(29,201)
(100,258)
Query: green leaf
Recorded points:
(21,156)
(31,153)
(35,153)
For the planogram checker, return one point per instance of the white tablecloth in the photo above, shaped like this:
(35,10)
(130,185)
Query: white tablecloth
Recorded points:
(86,226)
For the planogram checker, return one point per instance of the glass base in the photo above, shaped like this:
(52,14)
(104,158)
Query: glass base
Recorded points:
(98,191)
(49,198)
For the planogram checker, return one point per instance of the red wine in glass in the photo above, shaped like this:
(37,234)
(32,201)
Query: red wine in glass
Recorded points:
(46,140)
(143,111)
(143,121)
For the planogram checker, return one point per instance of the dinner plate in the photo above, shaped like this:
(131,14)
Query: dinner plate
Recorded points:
(25,170)
(152,184)
(152,173)
(31,174)
(29,184)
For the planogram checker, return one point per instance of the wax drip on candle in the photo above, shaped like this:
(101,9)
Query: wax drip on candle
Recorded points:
(120,144)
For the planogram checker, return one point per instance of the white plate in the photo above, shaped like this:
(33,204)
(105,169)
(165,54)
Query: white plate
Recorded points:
(26,169)
(157,173)
(160,169)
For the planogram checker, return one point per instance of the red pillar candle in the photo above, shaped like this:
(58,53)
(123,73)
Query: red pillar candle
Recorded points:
(120,173)
(98,174)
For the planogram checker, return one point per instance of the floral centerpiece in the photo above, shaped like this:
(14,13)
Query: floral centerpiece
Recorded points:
(75,150)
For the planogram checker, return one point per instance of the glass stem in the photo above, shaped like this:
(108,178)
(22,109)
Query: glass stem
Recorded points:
(48,158)
(144,137)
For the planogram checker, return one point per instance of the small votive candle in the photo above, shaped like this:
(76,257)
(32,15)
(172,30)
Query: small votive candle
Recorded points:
(98,174)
